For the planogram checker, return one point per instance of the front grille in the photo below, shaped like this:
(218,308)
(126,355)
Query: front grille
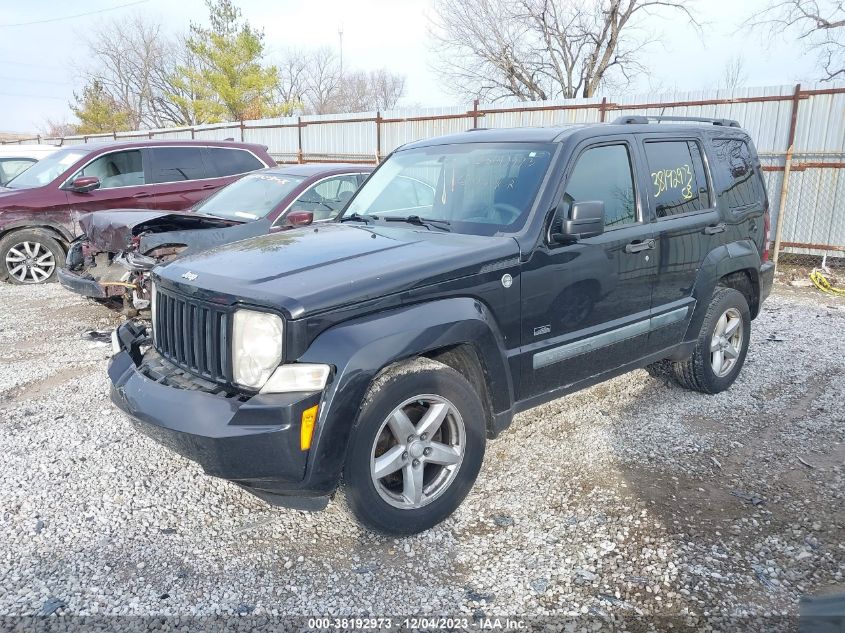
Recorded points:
(193,335)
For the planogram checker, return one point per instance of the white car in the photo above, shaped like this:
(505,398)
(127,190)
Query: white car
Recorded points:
(15,159)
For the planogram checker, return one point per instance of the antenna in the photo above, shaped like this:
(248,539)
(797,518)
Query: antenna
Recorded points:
(340,38)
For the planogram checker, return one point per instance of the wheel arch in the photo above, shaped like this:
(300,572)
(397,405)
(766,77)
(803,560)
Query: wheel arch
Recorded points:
(60,233)
(465,359)
(459,332)
(735,265)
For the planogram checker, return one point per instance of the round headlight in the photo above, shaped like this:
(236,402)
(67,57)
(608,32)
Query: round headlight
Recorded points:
(257,339)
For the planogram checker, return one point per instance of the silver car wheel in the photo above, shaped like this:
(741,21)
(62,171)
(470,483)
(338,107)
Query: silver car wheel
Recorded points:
(726,342)
(418,451)
(30,262)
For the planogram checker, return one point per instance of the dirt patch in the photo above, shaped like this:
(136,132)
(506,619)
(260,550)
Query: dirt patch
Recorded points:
(37,389)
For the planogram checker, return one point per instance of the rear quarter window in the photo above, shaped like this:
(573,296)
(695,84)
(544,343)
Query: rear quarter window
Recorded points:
(740,184)
(678,182)
(231,162)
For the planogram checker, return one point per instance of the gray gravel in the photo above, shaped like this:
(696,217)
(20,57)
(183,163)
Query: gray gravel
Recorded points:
(633,497)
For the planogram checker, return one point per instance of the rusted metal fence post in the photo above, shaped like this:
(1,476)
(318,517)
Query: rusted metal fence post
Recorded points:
(299,158)
(475,114)
(378,136)
(787,167)
(602,109)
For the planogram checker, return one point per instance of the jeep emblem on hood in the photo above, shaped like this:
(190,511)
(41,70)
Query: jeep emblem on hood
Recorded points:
(190,276)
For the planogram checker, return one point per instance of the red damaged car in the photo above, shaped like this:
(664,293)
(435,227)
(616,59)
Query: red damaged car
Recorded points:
(39,207)
(113,257)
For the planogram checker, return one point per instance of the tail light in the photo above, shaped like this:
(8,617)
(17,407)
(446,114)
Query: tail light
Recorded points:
(767,242)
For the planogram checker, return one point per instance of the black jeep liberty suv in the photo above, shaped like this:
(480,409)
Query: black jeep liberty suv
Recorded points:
(471,277)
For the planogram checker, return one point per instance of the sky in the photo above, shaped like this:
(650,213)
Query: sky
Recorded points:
(41,64)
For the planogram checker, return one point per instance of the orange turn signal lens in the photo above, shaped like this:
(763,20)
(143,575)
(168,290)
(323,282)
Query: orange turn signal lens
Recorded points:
(306,430)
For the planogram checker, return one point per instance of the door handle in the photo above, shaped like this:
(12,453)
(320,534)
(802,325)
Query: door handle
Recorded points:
(142,195)
(639,245)
(208,187)
(714,228)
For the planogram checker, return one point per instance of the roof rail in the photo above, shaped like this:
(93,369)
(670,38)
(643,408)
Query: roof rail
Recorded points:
(636,120)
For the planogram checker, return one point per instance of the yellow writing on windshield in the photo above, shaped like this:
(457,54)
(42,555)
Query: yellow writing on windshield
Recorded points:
(680,177)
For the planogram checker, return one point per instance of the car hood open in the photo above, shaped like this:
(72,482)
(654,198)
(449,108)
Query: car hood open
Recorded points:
(113,231)
(315,268)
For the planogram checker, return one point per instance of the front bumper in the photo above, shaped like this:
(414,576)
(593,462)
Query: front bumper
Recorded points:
(253,442)
(767,279)
(80,285)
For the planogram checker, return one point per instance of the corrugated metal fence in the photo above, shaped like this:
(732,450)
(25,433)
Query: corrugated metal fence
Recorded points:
(799,132)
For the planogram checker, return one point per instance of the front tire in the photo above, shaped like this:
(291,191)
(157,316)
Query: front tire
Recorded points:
(721,346)
(416,449)
(30,256)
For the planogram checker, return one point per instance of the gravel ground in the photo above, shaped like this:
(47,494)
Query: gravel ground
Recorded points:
(633,498)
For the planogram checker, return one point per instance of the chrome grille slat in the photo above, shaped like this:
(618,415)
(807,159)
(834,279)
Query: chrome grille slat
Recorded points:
(193,335)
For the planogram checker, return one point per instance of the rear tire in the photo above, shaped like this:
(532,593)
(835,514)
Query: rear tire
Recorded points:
(405,471)
(30,256)
(721,346)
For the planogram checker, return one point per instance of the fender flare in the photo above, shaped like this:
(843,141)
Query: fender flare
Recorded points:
(361,348)
(723,260)
(58,231)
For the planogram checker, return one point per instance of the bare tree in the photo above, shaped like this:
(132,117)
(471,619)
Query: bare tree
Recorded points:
(314,79)
(820,24)
(56,128)
(293,77)
(170,96)
(136,62)
(733,74)
(386,89)
(323,81)
(543,49)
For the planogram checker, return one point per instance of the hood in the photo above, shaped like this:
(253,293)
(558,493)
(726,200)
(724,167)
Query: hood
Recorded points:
(202,234)
(312,269)
(113,230)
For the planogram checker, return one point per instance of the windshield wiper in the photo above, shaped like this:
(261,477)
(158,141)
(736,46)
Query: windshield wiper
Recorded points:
(443,225)
(357,217)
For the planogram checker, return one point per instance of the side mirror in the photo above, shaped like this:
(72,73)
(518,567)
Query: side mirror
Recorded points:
(84,184)
(586,219)
(299,218)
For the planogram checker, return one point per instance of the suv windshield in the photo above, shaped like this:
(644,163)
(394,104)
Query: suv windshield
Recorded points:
(478,188)
(47,169)
(250,198)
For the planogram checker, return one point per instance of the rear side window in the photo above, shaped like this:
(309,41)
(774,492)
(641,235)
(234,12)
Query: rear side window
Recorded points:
(230,162)
(604,173)
(174,164)
(741,185)
(678,182)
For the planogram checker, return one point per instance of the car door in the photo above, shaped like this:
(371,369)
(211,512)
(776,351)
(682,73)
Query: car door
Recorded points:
(687,226)
(586,304)
(123,180)
(180,177)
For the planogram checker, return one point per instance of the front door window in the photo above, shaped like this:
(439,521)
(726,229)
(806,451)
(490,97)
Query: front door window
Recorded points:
(604,173)
(116,169)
